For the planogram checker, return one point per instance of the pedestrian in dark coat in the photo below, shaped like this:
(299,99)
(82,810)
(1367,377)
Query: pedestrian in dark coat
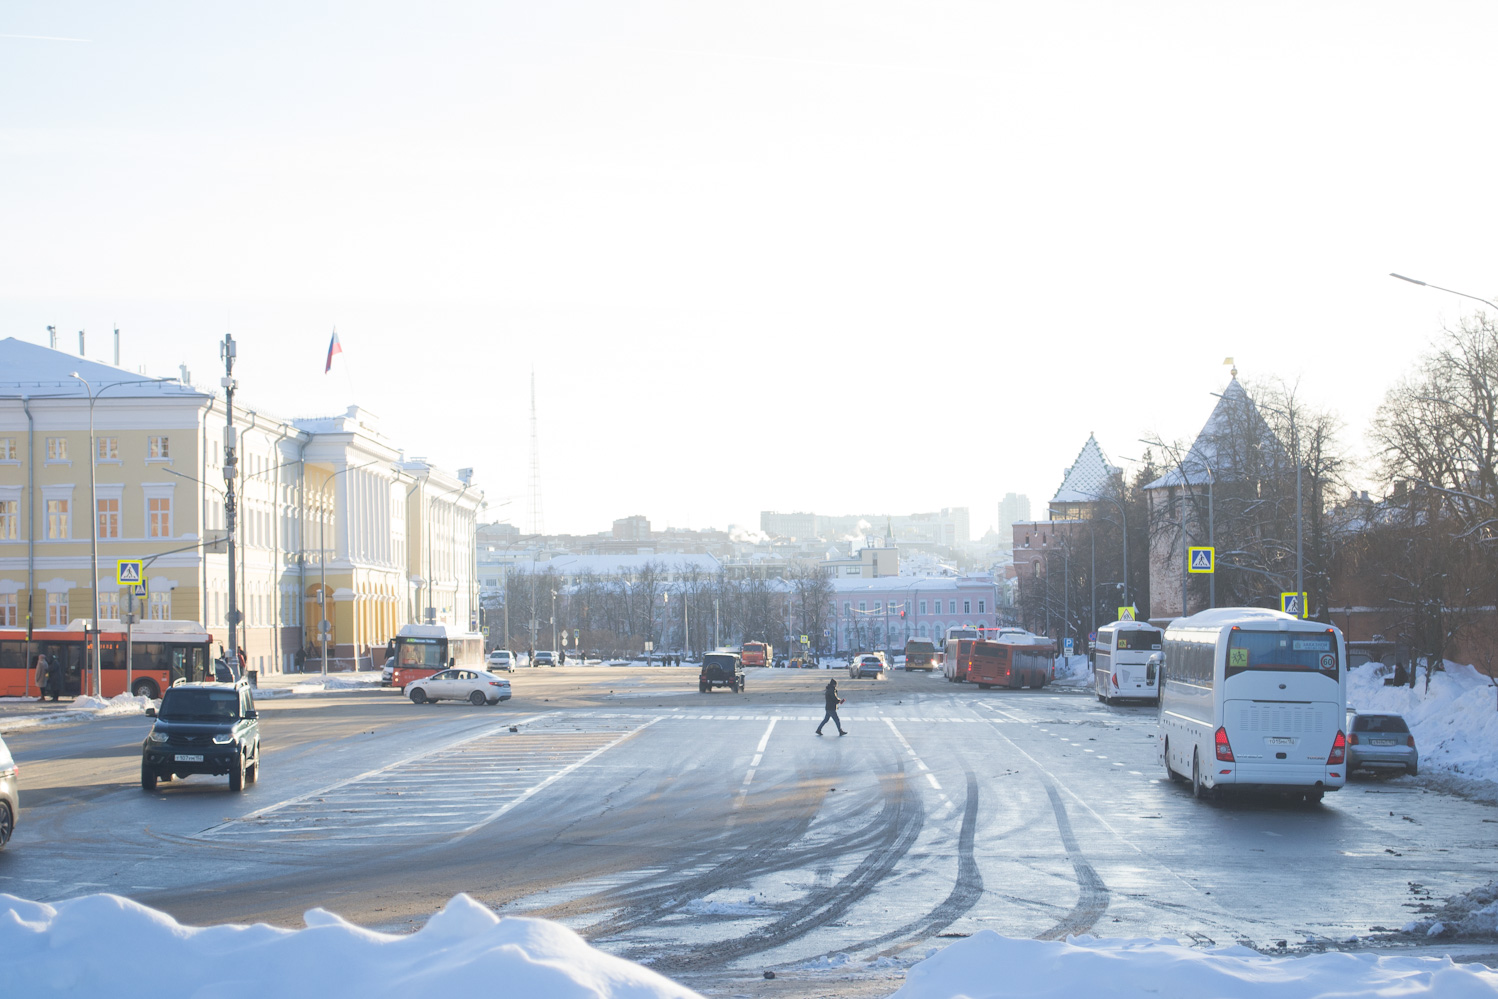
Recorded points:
(829,694)
(49,677)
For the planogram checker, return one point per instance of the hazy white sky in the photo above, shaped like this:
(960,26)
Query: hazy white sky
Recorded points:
(842,257)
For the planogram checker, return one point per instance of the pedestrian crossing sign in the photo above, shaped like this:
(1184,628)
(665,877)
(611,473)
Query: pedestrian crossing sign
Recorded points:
(1293,604)
(1202,559)
(1128,613)
(127,571)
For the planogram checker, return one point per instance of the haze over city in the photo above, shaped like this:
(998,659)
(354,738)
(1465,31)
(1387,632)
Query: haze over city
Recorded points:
(795,256)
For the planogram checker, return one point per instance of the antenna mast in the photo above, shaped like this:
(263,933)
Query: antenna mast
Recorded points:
(536,520)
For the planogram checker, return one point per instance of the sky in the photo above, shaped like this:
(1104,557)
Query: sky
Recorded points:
(798,256)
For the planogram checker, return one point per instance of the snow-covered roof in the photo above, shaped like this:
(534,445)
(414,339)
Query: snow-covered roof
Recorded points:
(36,370)
(609,565)
(907,584)
(1089,478)
(1207,459)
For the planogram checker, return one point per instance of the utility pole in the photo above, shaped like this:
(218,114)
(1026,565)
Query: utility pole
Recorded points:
(227,351)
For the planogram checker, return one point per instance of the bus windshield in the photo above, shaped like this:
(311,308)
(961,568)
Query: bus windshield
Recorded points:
(420,653)
(1293,651)
(1143,640)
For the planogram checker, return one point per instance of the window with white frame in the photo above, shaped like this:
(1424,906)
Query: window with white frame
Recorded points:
(863,606)
(109,605)
(159,517)
(967,607)
(10,517)
(161,606)
(159,448)
(8,611)
(951,607)
(107,448)
(58,526)
(109,518)
(847,607)
(57,449)
(878,607)
(923,606)
(8,449)
(981,605)
(57,610)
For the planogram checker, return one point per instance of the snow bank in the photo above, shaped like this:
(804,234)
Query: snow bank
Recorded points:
(314,683)
(1455,725)
(87,947)
(79,709)
(989,966)
(1072,671)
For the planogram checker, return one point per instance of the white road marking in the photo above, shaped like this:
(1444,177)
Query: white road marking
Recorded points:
(759,753)
(910,750)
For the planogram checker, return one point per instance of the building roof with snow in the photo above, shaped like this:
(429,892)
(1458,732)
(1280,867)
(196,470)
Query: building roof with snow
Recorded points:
(1213,456)
(1089,478)
(39,371)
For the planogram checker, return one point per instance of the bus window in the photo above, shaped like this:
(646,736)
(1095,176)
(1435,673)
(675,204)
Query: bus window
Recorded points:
(1145,640)
(1296,651)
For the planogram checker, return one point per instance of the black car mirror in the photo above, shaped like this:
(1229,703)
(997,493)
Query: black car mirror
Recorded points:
(150,712)
(252,713)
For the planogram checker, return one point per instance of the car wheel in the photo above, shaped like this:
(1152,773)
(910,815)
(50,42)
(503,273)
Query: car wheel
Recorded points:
(252,772)
(476,698)
(147,779)
(702,688)
(236,776)
(7,823)
(418,696)
(1314,797)
(1412,769)
(146,688)
(742,686)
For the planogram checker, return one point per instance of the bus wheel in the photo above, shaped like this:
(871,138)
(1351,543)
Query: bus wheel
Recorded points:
(1198,790)
(147,779)
(145,688)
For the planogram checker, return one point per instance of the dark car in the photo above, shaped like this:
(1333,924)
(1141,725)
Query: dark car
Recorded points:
(1381,742)
(203,728)
(543,657)
(721,669)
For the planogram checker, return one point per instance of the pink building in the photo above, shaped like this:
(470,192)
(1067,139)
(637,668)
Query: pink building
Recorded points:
(882,613)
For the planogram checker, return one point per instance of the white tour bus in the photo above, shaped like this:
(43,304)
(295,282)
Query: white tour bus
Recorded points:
(1252,698)
(1121,667)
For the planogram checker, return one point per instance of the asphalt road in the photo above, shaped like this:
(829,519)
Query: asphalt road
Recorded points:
(715,836)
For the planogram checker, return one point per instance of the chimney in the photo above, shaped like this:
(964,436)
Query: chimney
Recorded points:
(186,378)
(117,346)
(81,352)
(52,337)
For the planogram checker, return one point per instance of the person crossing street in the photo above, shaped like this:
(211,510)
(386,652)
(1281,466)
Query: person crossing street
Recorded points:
(829,694)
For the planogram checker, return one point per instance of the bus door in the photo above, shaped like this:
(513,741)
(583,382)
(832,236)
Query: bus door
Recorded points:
(188,663)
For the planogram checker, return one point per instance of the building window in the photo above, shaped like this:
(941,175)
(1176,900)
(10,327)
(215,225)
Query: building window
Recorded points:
(9,516)
(57,521)
(923,606)
(158,449)
(159,510)
(8,612)
(109,605)
(862,606)
(161,606)
(57,449)
(108,448)
(951,607)
(967,607)
(7,449)
(57,610)
(981,605)
(878,607)
(847,608)
(109,518)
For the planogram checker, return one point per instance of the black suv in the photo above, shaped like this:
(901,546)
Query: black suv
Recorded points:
(203,728)
(721,669)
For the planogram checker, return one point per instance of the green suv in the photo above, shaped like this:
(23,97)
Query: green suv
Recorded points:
(203,728)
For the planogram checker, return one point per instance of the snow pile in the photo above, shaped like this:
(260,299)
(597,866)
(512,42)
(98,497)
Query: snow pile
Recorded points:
(989,966)
(1455,725)
(315,683)
(87,946)
(1072,671)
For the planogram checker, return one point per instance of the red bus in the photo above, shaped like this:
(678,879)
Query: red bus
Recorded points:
(755,654)
(958,659)
(423,649)
(161,653)
(1011,665)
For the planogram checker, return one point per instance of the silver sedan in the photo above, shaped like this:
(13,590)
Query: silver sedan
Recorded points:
(10,796)
(472,685)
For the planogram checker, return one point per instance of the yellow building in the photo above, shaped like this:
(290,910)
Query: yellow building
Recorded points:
(334,523)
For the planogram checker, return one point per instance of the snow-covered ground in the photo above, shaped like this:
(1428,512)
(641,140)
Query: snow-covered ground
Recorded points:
(86,947)
(79,709)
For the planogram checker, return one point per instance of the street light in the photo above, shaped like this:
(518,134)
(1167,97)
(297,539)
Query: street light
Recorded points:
(1449,291)
(93,502)
(554,650)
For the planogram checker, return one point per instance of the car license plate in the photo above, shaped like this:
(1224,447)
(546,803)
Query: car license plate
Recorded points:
(189,757)
(1280,740)
(1382,742)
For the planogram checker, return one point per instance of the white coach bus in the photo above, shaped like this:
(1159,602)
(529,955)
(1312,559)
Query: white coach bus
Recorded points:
(1121,666)
(1255,699)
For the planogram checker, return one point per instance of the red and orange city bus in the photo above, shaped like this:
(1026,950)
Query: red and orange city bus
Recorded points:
(423,649)
(161,653)
(1011,664)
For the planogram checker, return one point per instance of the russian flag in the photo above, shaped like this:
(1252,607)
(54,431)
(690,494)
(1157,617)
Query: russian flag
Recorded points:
(334,347)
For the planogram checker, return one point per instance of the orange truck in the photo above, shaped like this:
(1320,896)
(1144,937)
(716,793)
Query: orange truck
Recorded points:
(756,654)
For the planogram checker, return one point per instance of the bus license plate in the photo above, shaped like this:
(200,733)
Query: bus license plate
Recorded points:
(1280,740)
(189,757)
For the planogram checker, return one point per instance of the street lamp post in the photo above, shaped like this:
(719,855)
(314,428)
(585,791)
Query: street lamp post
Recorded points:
(554,650)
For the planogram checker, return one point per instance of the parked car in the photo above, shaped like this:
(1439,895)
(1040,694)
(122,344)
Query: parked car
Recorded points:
(203,728)
(869,664)
(10,795)
(1381,742)
(721,669)
(387,673)
(502,659)
(471,685)
(544,657)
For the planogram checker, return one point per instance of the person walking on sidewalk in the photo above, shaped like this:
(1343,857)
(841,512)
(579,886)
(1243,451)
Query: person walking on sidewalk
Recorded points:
(829,694)
(49,677)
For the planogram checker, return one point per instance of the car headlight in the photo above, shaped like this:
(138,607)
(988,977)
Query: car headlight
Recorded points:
(223,739)
(156,736)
